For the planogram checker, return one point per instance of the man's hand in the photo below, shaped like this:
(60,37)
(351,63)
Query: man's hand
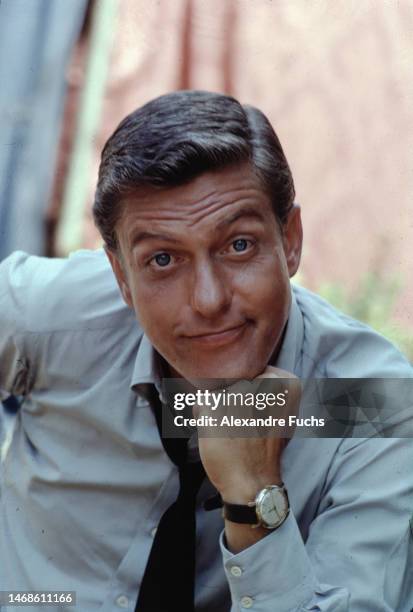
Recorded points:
(240,467)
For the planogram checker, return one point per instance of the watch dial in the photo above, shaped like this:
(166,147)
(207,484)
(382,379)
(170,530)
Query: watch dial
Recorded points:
(273,507)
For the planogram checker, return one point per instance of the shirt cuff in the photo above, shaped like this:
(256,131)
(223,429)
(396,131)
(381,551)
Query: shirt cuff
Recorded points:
(274,570)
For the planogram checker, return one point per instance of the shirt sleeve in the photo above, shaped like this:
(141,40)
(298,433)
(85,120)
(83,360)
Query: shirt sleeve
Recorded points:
(14,362)
(357,553)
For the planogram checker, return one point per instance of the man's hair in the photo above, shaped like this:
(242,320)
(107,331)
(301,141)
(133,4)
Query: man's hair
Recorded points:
(177,137)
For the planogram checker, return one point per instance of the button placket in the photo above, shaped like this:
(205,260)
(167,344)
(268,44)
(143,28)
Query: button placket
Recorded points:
(236,571)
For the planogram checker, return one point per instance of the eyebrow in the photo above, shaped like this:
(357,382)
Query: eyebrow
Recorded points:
(247,211)
(145,235)
(239,214)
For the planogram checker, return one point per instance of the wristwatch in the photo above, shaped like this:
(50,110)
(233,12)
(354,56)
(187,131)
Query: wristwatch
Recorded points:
(269,509)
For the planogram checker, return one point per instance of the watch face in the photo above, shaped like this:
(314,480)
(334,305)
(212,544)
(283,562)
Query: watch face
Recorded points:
(272,506)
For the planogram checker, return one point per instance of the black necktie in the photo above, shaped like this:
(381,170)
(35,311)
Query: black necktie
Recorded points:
(168,583)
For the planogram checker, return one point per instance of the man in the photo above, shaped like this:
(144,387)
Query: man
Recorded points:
(195,203)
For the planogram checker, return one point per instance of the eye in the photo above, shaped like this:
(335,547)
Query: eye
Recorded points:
(239,245)
(162,259)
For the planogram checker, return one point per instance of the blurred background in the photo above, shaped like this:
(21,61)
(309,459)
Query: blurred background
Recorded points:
(333,76)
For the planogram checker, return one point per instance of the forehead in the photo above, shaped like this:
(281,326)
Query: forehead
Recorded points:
(208,199)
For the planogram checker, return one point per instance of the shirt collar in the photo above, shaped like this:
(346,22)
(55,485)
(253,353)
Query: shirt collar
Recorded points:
(147,369)
(148,364)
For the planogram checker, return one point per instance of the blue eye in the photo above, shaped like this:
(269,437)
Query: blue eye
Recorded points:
(240,245)
(162,259)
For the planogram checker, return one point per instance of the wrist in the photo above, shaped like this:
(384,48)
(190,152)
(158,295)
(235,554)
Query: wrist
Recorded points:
(266,513)
(240,537)
(245,491)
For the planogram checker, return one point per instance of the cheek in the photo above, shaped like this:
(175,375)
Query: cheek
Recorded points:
(265,286)
(156,309)
(273,307)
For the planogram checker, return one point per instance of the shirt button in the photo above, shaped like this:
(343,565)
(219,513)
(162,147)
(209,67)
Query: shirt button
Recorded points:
(122,601)
(153,531)
(246,602)
(236,571)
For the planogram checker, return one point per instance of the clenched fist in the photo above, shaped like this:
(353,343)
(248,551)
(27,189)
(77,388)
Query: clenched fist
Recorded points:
(239,467)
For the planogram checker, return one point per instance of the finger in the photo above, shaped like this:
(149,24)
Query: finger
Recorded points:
(273,372)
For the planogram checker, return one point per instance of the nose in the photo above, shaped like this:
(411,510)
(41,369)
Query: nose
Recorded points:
(211,292)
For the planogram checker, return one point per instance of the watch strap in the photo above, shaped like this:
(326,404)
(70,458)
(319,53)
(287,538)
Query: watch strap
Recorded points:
(240,513)
(236,513)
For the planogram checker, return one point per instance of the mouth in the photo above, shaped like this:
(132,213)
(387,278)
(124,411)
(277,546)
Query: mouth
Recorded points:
(219,338)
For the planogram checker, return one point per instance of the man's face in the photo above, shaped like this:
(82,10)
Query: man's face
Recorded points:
(206,269)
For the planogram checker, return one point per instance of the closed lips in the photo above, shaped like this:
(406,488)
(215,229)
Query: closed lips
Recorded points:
(217,333)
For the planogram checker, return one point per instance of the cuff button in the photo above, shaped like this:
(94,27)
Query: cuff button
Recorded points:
(246,602)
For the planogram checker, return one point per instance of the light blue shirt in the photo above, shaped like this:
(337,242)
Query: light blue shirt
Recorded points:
(85,478)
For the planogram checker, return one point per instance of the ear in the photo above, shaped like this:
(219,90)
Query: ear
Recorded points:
(120,274)
(292,233)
